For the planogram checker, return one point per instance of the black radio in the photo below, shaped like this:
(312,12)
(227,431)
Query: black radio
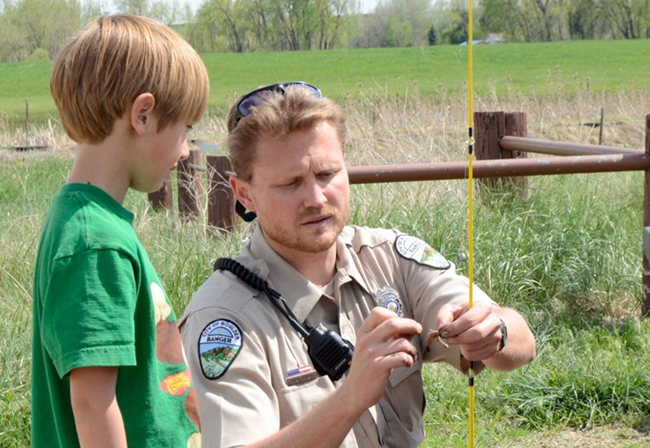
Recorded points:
(330,353)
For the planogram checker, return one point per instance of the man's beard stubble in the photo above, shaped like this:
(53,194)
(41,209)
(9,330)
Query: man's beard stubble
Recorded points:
(319,244)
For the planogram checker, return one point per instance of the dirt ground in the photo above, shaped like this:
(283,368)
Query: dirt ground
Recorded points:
(601,437)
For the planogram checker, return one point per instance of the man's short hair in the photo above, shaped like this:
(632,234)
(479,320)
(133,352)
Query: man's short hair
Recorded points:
(282,114)
(115,59)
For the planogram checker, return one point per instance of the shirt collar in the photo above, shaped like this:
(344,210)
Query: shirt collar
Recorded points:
(347,260)
(299,293)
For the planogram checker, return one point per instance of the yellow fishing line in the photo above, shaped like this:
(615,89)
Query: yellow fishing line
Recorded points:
(470,258)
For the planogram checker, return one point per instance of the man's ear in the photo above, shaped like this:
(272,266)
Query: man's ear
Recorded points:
(142,113)
(241,188)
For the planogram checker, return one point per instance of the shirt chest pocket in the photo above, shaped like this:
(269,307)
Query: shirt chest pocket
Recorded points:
(402,407)
(401,374)
(295,401)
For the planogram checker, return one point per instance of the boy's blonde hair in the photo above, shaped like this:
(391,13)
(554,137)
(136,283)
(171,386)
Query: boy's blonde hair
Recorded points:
(115,59)
(283,113)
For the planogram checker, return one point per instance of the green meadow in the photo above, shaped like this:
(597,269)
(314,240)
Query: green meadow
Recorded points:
(536,68)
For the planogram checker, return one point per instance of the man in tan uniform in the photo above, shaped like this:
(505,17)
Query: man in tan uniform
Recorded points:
(381,290)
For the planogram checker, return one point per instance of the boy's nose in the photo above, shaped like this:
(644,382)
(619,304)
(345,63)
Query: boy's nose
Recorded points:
(185,150)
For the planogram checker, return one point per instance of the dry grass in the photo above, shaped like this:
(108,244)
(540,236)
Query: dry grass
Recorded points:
(391,130)
(387,129)
(50,135)
(599,437)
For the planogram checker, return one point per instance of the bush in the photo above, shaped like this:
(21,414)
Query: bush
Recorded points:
(39,55)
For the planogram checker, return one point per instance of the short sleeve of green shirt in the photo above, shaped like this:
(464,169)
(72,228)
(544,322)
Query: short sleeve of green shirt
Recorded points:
(98,329)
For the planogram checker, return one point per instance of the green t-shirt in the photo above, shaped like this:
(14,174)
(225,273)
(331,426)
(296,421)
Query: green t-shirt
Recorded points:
(99,302)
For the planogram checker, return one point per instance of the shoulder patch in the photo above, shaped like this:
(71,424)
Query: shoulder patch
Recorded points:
(219,344)
(415,249)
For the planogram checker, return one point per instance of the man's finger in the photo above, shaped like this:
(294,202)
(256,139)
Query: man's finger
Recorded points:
(479,354)
(396,327)
(485,329)
(399,345)
(398,359)
(449,313)
(469,318)
(376,317)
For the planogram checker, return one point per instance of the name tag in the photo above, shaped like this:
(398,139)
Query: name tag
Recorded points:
(301,375)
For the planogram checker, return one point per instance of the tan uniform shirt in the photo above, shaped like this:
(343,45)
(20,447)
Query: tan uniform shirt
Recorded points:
(256,395)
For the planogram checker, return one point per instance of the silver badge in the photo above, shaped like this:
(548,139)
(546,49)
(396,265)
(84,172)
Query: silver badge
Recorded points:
(389,299)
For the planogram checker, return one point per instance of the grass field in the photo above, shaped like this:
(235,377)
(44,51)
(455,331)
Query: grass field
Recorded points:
(539,68)
(568,256)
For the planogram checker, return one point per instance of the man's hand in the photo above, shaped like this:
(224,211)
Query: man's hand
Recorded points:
(383,344)
(477,331)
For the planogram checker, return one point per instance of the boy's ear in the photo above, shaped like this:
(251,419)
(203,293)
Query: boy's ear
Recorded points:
(241,189)
(142,112)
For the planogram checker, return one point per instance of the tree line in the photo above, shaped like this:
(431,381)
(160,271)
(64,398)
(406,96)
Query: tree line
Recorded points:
(37,29)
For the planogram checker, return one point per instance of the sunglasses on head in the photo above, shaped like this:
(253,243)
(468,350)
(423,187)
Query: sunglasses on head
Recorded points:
(261,95)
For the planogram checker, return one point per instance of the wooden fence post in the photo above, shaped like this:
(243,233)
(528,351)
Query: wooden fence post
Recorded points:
(221,200)
(162,198)
(190,191)
(645,310)
(489,127)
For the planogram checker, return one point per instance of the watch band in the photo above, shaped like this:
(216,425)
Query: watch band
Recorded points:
(504,335)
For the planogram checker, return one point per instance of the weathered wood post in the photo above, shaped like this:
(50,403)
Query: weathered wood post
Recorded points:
(162,198)
(221,200)
(489,127)
(190,191)
(645,310)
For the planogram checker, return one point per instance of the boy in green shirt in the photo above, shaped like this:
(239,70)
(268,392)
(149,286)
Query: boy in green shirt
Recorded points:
(108,367)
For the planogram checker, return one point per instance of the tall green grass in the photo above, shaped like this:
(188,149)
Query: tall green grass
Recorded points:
(569,258)
(26,188)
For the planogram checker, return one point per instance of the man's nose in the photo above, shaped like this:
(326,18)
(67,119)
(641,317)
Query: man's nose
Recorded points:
(315,195)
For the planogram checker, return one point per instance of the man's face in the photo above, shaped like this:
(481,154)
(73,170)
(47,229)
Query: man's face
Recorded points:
(300,190)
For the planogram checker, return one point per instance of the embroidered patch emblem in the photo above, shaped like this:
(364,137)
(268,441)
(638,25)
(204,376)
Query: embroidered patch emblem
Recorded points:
(389,299)
(415,249)
(219,345)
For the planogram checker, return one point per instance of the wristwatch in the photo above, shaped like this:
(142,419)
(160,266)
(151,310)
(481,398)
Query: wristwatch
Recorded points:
(504,335)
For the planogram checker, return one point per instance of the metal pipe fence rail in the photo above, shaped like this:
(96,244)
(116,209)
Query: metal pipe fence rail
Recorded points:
(501,152)
(559,148)
(486,169)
